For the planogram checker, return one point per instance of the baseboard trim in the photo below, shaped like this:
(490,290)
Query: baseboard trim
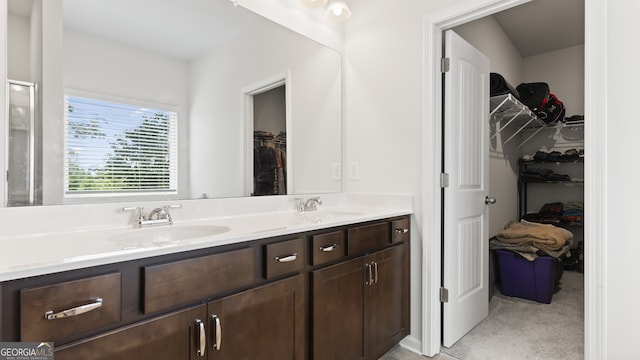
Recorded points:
(412,343)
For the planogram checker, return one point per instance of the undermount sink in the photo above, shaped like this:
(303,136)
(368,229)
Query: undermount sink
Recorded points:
(166,235)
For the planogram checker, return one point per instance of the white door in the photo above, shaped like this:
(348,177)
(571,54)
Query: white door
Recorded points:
(466,160)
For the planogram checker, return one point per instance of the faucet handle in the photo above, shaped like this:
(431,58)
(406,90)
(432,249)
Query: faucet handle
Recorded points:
(299,204)
(139,215)
(139,209)
(166,210)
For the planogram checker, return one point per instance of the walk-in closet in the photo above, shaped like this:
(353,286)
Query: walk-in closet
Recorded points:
(536,177)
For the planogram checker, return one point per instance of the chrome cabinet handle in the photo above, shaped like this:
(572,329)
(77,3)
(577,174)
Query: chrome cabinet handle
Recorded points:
(369,275)
(328,248)
(49,315)
(375,272)
(288,258)
(218,343)
(402,231)
(202,338)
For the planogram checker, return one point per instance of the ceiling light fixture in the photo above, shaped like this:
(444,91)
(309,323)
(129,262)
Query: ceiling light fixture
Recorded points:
(313,3)
(338,11)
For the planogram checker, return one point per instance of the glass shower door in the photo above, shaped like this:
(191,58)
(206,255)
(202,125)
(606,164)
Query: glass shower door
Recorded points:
(20,144)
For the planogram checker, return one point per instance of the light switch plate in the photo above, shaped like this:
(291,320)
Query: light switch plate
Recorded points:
(336,171)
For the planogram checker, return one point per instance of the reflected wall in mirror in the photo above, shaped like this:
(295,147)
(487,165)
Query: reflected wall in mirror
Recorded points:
(199,58)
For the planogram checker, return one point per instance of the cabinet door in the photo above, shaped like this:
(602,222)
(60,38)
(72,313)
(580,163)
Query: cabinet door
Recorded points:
(174,336)
(262,323)
(387,301)
(338,301)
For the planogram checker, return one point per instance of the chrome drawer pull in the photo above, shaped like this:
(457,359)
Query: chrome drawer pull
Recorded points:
(402,231)
(328,248)
(375,272)
(369,275)
(288,258)
(202,338)
(218,344)
(49,315)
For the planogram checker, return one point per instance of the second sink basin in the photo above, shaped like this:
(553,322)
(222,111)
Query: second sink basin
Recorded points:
(167,235)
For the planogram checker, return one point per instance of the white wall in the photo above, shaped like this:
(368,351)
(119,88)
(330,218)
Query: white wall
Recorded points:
(219,80)
(383,113)
(19,43)
(563,70)
(487,36)
(106,68)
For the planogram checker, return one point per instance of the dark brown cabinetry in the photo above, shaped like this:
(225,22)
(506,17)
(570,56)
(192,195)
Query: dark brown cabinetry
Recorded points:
(255,324)
(338,293)
(172,336)
(361,306)
(262,323)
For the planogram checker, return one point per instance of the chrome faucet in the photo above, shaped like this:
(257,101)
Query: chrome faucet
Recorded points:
(157,216)
(310,205)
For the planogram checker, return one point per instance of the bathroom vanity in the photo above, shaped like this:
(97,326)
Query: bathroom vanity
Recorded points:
(337,289)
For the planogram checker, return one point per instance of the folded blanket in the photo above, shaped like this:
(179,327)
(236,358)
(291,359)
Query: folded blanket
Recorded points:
(531,252)
(541,236)
(500,86)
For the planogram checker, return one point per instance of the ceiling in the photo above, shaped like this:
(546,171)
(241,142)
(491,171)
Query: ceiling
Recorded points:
(544,25)
(179,28)
(535,27)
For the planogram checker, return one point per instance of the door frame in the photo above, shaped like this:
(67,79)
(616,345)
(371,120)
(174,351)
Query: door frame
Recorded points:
(595,180)
(246,133)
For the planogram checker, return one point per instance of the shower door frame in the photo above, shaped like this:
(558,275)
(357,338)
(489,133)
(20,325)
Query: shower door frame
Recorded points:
(31,147)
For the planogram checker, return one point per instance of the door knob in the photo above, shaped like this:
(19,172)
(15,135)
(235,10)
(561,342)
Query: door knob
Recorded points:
(489,200)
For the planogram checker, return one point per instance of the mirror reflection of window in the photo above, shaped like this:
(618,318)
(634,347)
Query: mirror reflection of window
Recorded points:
(114,147)
(270,142)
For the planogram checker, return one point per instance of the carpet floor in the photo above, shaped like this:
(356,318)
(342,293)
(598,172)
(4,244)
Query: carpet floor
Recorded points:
(518,329)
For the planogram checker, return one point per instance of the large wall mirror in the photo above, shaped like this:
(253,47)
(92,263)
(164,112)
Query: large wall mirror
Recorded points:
(169,87)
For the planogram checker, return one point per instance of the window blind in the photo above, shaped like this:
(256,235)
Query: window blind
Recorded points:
(116,147)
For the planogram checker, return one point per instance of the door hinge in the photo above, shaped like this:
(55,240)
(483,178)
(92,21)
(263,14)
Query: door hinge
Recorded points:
(444,294)
(444,65)
(444,180)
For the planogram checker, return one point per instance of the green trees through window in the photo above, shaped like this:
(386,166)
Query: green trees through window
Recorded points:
(115,147)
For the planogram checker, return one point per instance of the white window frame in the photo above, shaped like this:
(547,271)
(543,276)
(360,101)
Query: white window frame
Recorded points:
(125,194)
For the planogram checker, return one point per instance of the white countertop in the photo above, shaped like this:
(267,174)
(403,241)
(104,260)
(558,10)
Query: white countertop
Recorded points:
(32,254)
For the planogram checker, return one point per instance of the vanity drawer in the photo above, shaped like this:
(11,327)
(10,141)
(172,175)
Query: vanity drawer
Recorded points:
(181,282)
(400,230)
(369,237)
(327,247)
(284,257)
(60,311)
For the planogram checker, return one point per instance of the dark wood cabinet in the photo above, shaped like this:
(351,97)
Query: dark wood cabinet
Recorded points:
(173,336)
(337,315)
(387,301)
(262,323)
(266,322)
(361,306)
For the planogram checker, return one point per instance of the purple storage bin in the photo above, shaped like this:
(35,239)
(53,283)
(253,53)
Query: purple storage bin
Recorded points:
(532,280)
